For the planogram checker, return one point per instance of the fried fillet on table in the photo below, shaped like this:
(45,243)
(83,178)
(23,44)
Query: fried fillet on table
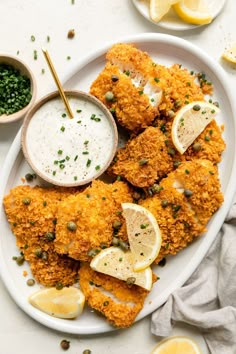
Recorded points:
(117,301)
(94,211)
(31,212)
(129,75)
(190,195)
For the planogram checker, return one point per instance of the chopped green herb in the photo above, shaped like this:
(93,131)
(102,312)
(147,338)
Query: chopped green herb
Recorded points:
(59,152)
(63,129)
(88,163)
(35,55)
(32,38)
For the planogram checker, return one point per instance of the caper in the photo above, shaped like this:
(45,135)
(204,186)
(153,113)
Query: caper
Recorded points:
(65,344)
(156,188)
(71,226)
(143,162)
(29,177)
(171,151)
(30,282)
(178,104)
(171,113)
(59,286)
(130,280)
(50,236)
(196,107)
(44,256)
(38,252)
(188,193)
(20,260)
(115,241)
(117,224)
(92,252)
(123,245)
(26,201)
(197,147)
(164,203)
(176,164)
(109,96)
(114,78)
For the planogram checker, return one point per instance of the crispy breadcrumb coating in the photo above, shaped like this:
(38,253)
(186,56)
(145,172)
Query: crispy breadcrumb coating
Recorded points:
(129,75)
(116,300)
(131,106)
(144,159)
(188,197)
(94,212)
(31,212)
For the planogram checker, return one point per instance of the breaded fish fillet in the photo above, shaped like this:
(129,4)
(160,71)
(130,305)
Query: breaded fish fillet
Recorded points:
(31,212)
(128,76)
(116,300)
(189,196)
(94,212)
(144,159)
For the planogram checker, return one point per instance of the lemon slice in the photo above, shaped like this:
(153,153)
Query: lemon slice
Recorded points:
(65,303)
(143,233)
(177,345)
(190,121)
(193,11)
(159,8)
(119,264)
(230,54)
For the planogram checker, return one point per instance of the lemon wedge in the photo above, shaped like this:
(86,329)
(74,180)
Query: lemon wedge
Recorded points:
(230,54)
(177,345)
(159,8)
(190,121)
(115,262)
(143,233)
(193,11)
(65,303)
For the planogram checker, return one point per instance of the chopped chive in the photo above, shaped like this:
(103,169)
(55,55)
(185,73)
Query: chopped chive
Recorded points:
(59,152)
(75,178)
(32,38)
(76,157)
(85,152)
(88,163)
(63,115)
(97,168)
(63,129)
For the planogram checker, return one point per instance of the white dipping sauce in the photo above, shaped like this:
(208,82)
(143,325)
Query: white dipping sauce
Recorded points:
(69,150)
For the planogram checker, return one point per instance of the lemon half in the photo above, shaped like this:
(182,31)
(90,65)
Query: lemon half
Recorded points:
(193,11)
(143,233)
(119,264)
(65,303)
(177,345)
(159,8)
(190,121)
(230,54)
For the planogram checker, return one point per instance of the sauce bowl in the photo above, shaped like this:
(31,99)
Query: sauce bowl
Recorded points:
(68,151)
(25,71)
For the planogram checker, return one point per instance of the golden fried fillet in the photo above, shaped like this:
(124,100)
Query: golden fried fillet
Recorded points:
(135,93)
(179,88)
(198,181)
(144,159)
(116,300)
(211,145)
(93,212)
(31,213)
(188,197)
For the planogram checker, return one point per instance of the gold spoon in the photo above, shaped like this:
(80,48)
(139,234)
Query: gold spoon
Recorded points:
(58,83)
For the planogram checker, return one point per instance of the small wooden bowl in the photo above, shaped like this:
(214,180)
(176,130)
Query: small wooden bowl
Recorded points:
(59,155)
(24,70)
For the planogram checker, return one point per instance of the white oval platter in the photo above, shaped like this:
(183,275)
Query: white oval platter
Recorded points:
(166,50)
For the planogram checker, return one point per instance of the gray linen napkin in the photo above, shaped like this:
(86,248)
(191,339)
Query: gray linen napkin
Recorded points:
(208,299)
